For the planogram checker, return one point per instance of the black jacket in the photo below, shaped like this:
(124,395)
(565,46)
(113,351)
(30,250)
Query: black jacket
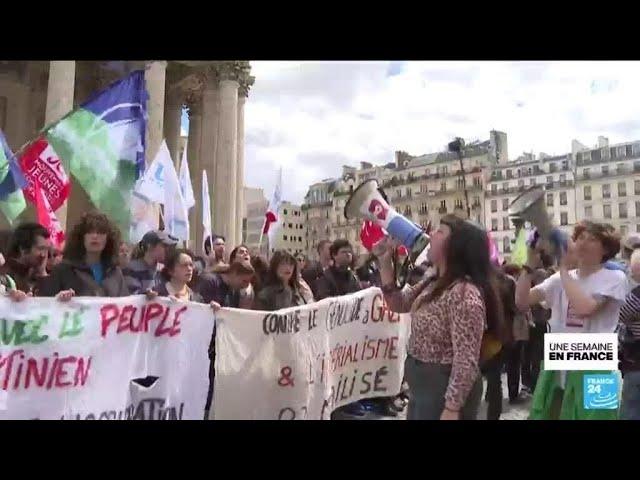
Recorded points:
(276,297)
(78,276)
(335,282)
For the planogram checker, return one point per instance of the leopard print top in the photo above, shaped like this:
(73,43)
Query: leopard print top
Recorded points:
(446,331)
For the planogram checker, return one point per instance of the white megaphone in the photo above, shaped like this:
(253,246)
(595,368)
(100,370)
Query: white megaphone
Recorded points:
(367,202)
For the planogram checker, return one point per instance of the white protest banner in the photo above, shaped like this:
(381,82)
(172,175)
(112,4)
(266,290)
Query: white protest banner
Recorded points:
(303,362)
(77,360)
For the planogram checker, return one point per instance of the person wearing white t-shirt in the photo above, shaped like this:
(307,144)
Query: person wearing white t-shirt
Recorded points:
(582,300)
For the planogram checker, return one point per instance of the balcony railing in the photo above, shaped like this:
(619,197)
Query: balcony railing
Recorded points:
(423,213)
(442,210)
(617,172)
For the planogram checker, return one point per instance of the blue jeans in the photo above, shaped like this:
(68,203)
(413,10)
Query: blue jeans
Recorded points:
(630,407)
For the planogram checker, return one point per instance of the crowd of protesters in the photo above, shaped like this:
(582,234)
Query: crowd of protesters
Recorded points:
(472,319)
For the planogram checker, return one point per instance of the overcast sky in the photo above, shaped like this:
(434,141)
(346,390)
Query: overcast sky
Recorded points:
(313,117)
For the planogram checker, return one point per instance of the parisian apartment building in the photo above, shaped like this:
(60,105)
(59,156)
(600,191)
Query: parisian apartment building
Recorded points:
(600,183)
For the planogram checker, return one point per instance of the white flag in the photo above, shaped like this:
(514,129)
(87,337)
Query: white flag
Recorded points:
(271,216)
(144,216)
(160,184)
(206,209)
(185,181)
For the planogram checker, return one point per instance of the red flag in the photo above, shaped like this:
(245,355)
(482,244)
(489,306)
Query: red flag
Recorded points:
(47,218)
(271,216)
(41,165)
(370,234)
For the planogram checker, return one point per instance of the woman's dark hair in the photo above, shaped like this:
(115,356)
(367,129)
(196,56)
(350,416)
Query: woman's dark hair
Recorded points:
(280,257)
(93,222)
(604,232)
(24,238)
(261,268)
(512,269)
(467,257)
(234,252)
(171,262)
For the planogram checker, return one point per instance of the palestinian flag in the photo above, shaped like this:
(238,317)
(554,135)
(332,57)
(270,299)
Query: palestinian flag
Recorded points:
(101,144)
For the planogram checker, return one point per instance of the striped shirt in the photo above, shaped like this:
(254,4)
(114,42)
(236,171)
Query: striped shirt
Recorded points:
(630,313)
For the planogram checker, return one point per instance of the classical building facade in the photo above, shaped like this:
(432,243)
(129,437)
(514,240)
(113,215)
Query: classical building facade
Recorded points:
(423,188)
(290,233)
(37,93)
(608,184)
(253,222)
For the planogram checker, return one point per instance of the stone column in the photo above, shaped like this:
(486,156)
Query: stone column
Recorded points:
(209,138)
(194,105)
(245,83)
(226,172)
(154,76)
(240,213)
(62,77)
(172,118)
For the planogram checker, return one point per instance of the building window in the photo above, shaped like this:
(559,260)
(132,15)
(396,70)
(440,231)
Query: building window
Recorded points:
(549,180)
(564,165)
(458,203)
(509,174)
(637,209)
(532,182)
(505,187)
(443,204)
(549,199)
(494,206)
(520,183)
(284,237)
(291,225)
(622,210)
(494,224)
(619,169)
(285,211)
(494,188)
(477,182)
(636,187)
(563,179)
(505,223)
(564,218)
(506,245)
(586,173)
(605,170)
(606,191)
(443,186)
(587,192)
(622,189)
(588,211)
(563,198)
(505,204)
(606,211)
(638,228)
(623,230)
(552,167)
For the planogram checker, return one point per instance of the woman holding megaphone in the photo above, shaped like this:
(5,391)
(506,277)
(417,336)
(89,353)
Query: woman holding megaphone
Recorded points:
(450,316)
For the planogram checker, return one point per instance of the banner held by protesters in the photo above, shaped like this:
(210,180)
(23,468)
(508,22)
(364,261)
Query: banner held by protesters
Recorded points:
(307,361)
(79,360)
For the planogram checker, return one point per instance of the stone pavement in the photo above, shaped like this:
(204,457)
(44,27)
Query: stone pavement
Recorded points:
(509,412)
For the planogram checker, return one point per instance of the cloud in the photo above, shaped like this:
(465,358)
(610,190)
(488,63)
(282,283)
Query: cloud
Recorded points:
(313,117)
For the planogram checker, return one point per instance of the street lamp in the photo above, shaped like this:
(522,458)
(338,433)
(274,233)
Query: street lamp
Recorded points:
(457,146)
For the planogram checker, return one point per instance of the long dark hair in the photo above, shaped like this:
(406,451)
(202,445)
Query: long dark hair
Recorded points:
(261,267)
(467,258)
(280,257)
(93,222)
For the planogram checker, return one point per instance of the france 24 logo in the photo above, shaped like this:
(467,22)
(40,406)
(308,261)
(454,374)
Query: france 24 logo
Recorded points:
(601,391)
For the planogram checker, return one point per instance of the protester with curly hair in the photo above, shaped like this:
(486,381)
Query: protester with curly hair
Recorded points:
(90,262)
